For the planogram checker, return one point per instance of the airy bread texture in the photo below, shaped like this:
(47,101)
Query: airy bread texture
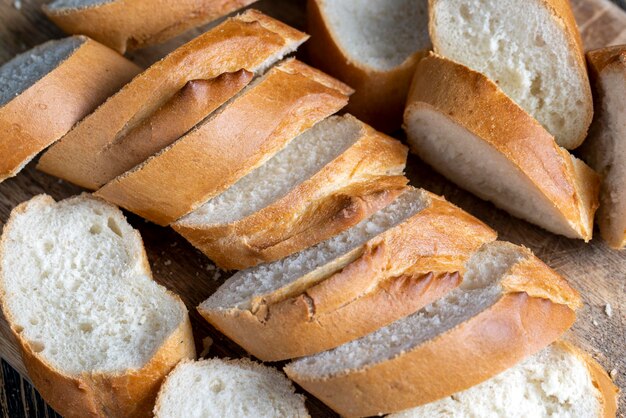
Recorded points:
(558,381)
(387,266)
(530,48)
(49,88)
(124,24)
(508,306)
(373,46)
(97,334)
(605,150)
(219,388)
(251,41)
(345,171)
(465,127)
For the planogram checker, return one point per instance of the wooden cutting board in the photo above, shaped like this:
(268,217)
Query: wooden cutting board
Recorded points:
(598,272)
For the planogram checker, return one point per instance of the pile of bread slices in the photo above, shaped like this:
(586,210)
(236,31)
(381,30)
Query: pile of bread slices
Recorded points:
(387,298)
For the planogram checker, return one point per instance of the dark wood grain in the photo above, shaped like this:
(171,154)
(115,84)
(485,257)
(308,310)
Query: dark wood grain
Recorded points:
(598,272)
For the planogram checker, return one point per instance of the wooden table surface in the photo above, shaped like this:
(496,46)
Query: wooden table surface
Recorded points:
(598,272)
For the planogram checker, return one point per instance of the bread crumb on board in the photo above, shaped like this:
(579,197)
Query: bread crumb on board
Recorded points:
(17,4)
(613,374)
(608,310)
(207,342)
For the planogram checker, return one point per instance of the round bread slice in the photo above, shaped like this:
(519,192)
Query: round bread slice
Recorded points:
(96,333)
(228,388)
(49,88)
(508,306)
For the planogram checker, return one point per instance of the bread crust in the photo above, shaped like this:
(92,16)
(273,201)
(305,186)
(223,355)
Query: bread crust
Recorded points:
(474,102)
(397,273)
(516,326)
(248,41)
(49,108)
(289,100)
(123,24)
(379,96)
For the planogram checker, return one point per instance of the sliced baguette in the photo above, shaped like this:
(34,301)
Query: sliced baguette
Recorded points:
(133,24)
(509,306)
(326,180)
(560,380)
(531,48)
(97,334)
(605,150)
(461,123)
(251,41)
(49,88)
(263,119)
(373,46)
(387,266)
(228,388)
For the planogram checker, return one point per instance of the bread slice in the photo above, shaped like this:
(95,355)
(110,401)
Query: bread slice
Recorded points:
(509,306)
(236,139)
(373,46)
(228,388)
(96,333)
(49,88)
(132,24)
(461,123)
(531,48)
(605,150)
(345,171)
(252,41)
(387,266)
(558,381)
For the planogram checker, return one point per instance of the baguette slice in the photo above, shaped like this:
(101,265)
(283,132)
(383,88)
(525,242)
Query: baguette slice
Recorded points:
(373,46)
(531,48)
(509,306)
(263,119)
(133,24)
(326,180)
(46,90)
(96,333)
(560,380)
(251,41)
(387,266)
(461,123)
(228,388)
(605,150)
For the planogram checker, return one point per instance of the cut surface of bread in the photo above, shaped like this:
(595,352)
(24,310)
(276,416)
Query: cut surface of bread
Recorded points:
(228,388)
(252,42)
(49,88)
(530,48)
(77,291)
(558,381)
(345,172)
(461,124)
(508,306)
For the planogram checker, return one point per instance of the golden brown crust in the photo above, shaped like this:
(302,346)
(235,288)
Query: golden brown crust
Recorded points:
(122,24)
(248,41)
(600,59)
(477,104)
(49,108)
(290,99)
(379,96)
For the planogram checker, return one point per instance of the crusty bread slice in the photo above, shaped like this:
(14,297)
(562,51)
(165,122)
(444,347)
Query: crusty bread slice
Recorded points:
(97,334)
(251,41)
(326,180)
(242,135)
(461,123)
(46,90)
(387,266)
(133,24)
(605,150)
(558,381)
(219,388)
(373,46)
(530,48)
(508,306)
